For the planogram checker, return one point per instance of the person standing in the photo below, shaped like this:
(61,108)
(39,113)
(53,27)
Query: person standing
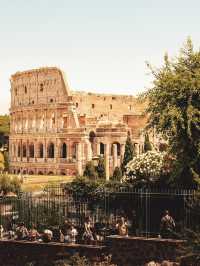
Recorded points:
(167,226)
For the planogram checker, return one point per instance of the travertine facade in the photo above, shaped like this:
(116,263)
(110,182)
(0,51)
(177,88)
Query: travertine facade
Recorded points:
(56,131)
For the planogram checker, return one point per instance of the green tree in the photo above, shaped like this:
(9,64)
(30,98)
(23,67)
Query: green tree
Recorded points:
(174,112)
(117,174)
(101,168)
(90,171)
(128,154)
(147,143)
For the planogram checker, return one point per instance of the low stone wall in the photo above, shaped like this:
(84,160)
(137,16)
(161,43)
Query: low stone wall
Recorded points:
(129,251)
(18,253)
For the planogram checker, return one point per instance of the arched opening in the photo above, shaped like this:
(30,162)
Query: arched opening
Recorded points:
(31,172)
(51,150)
(102,149)
(24,150)
(24,172)
(64,151)
(31,150)
(41,150)
(62,173)
(50,173)
(40,173)
(74,150)
(118,148)
(19,150)
(92,137)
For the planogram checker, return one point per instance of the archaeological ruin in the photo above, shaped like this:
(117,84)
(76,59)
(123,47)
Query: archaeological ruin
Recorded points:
(55,130)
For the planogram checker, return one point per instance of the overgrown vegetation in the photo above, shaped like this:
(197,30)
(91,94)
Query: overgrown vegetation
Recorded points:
(9,184)
(4,124)
(174,112)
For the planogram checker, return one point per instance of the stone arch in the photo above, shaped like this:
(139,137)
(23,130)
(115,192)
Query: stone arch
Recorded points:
(19,150)
(51,150)
(31,150)
(41,150)
(102,148)
(74,148)
(24,150)
(24,172)
(50,173)
(31,172)
(40,173)
(92,137)
(118,148)
(64,150)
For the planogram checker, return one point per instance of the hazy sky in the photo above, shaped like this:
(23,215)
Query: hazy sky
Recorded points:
(102,45)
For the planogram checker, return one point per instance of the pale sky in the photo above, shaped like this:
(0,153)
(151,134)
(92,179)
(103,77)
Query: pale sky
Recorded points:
(102,45)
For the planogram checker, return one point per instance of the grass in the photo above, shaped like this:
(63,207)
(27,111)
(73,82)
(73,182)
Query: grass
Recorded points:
(34,183)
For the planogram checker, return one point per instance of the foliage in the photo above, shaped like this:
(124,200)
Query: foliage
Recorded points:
(101,168)
(93,191)
(148,166)
(9,184)
(90,171)
(6,161)
(117,174)
(79,261)
(4,124)
(2,162)
(147,143)
(128,154)
(174,112)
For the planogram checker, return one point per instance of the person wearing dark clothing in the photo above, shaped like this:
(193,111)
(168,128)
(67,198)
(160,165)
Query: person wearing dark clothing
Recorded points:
(167,226)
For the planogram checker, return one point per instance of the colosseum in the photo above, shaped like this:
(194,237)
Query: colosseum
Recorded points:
(56,131)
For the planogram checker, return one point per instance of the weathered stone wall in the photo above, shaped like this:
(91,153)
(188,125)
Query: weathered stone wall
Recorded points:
(129,251)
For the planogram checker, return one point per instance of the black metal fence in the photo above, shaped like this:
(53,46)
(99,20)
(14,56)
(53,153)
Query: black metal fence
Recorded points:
(143,209)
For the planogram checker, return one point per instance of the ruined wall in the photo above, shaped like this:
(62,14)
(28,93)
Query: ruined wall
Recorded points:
(93,104)
(51,125)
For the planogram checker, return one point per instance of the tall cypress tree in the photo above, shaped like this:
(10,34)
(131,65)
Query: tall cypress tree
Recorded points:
(128,154)
(147,143)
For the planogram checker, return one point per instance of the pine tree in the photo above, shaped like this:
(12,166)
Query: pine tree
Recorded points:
(128,154)
(101,168)
(147,143)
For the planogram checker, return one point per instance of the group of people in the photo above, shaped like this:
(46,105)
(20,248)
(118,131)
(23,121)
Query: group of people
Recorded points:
(167,226)
(89,233)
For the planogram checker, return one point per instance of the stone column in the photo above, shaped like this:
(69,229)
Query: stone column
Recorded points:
(98,149)
(115,159)
(89,151)
(79,158)
(122,151)
(107,161)
(137,148)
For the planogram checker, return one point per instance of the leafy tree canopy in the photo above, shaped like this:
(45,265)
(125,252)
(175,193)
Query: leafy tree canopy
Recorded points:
(174,111)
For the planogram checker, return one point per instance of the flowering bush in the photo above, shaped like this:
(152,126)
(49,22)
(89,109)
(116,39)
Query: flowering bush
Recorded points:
(148,166)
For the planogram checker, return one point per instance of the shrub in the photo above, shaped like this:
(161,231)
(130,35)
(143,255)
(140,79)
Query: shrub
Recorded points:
(101,168)
(90,171)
